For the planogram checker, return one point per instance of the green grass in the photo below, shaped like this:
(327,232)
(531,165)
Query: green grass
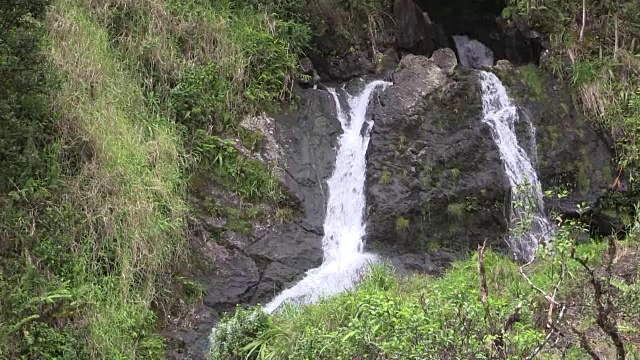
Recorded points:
(402,224)
(531,77)
(131,190)
(455,212)
(415,317)
(206,66)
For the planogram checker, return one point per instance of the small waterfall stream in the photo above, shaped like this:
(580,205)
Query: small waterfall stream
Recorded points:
(529,224)
(344,229)
(527,208)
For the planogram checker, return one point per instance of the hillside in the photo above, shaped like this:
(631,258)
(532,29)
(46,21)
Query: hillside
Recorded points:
(165,160)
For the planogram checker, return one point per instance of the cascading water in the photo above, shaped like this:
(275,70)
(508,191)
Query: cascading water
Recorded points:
(344,229)
(527,208)
(529,224)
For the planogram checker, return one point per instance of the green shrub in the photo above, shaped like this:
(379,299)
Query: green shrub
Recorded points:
(230,338)
(385,317)
(248,178)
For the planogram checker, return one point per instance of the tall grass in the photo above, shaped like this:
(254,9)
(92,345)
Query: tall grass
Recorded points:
(129,188)
(413,317)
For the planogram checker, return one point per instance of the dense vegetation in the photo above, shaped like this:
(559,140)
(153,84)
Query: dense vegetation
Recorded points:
(109,107)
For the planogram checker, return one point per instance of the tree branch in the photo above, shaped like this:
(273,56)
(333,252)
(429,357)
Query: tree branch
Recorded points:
(552,330)
(533,286)
(584,18)
(585,344)
(484,291)
(606,322)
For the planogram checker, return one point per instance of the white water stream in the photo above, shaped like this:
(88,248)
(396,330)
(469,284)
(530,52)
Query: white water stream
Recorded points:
(344,228)
(529,225)
(527,208)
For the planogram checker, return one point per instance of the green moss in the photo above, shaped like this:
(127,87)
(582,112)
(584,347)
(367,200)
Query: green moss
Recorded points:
(553,135)
(402,224)
(455,212)
(252,140)
(455,174)
(531,77)
(385,177)
(426,176)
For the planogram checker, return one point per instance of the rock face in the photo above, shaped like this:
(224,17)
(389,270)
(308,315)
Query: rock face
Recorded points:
(414,31)
(434,173)
(435,177)
(571,156)
(250,266)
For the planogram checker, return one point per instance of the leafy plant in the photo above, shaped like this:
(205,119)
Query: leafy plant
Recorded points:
(402,224)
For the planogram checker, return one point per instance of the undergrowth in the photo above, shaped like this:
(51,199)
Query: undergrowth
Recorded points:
(600,61)
(415,317)
(108,107)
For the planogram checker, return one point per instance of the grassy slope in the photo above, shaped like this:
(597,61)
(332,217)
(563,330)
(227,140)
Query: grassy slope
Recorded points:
(130,189)
(95,233)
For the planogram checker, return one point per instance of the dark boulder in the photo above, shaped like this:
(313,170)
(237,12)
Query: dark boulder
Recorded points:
(414,32)
(435,178)
(350,65)
(434,174)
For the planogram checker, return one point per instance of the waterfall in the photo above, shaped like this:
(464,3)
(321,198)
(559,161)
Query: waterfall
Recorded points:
(344,229)
(472,53)
(527,208)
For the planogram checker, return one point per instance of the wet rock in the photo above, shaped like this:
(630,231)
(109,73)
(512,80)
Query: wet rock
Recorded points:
(275,278)
(293,246)
(308,135)
(413,28)
(446,59)
(434,174)
(572,157)
(235,274)
(412,263)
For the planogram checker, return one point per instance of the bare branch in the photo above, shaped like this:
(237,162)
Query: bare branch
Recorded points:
(552,330)
(484,291)
(534,287)
(606,322)
(584,18)
(585,344)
